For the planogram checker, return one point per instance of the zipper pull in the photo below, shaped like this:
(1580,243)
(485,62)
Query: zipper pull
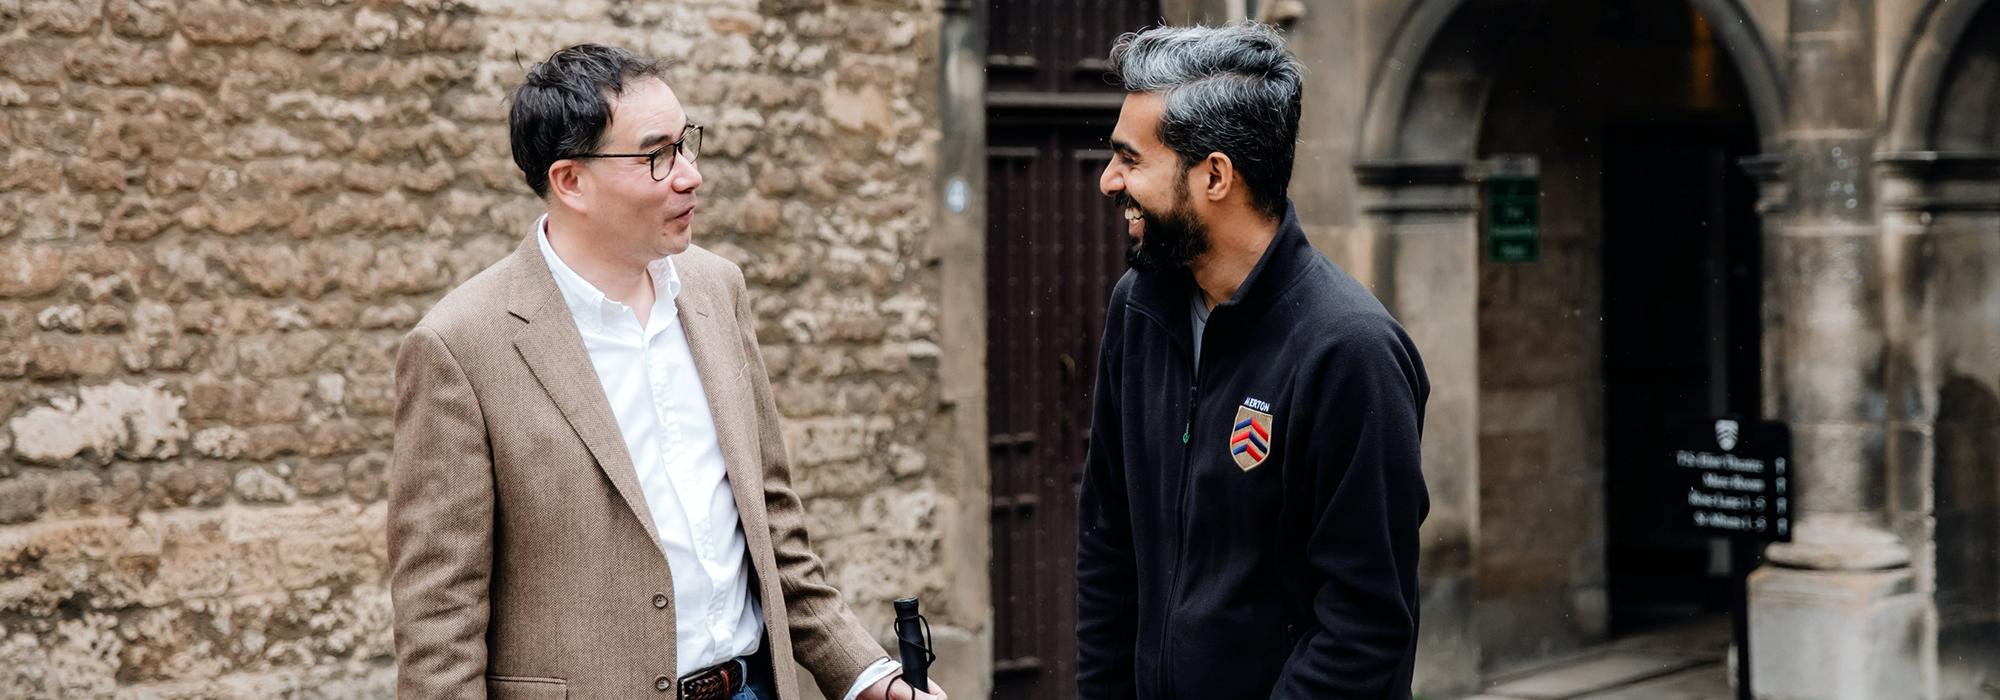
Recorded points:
(1187,428)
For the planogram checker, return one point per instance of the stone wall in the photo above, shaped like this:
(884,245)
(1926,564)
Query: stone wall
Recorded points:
(217,218)
(1554,490)
(1542,583)
(1951,225)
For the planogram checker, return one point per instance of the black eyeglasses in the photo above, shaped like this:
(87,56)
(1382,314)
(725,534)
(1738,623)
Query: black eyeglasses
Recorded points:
(689,145)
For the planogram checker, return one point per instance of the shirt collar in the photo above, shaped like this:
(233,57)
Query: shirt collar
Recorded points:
(587,304)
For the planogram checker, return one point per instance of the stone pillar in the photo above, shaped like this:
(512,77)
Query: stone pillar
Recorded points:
(1425,269)
(1836,613)
(1940,211)
(960,246)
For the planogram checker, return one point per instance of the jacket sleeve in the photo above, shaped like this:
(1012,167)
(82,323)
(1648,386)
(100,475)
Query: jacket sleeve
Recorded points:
(440,524)
(1362,450)
(826,637)
(1107,623)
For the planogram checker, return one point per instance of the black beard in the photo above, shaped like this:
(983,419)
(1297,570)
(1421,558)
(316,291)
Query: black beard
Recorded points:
(1171,241)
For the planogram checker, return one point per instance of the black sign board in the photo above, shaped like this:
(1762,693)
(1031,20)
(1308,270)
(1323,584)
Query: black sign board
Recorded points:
(1732,477)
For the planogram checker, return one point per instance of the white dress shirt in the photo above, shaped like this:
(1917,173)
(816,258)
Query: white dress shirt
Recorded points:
(656,396)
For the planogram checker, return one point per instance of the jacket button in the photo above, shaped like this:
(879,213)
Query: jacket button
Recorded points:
(660,600)
(663,684)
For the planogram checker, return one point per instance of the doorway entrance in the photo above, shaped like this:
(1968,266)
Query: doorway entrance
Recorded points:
(1643,302)
(1682,319)
(1054,249)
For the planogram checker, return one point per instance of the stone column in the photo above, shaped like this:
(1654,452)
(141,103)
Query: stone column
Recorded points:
(1425,268)
(1940,210)
(965,494)
(1835,614)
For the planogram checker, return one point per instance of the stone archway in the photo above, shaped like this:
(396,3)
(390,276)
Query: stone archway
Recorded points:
(1419,136)
(1438,68)
(1941,203)
(1926,60)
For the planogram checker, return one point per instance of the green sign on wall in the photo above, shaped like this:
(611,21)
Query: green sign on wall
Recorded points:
(1514,210)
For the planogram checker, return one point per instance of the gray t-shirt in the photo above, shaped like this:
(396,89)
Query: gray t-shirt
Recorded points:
(1198,315)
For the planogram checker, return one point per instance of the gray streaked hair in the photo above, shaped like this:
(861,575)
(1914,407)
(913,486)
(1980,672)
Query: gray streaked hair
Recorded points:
(1232,89)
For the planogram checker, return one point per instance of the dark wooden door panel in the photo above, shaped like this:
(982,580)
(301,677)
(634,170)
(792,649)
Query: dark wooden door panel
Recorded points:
(1054,249)
(1057,45)
(1053,254)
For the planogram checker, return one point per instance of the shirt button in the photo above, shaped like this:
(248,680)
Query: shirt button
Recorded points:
(660,600)
(663,684)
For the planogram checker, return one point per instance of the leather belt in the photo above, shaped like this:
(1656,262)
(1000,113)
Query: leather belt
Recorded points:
(718,682)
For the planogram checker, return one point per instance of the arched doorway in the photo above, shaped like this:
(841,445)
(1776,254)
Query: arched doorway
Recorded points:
(1636,115)
(1643,303)
(1967,123)
(1942,181)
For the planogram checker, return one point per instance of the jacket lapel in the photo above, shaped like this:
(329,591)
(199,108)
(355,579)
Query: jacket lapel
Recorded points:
(714,341)
(554,351)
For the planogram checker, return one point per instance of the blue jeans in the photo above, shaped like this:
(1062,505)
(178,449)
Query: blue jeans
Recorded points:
(757,674)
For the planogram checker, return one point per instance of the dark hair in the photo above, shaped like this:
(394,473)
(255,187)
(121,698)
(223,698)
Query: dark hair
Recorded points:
(1232,90)
(562,106)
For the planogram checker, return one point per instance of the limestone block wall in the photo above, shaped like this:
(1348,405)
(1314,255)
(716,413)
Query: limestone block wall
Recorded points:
(218,217)
(1543,585)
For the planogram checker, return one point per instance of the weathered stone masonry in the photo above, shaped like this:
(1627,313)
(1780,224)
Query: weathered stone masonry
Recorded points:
(217,219)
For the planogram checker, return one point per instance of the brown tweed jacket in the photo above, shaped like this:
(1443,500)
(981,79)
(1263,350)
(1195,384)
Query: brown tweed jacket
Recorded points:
(525,562)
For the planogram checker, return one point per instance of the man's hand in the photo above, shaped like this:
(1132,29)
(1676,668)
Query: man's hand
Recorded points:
(894,687)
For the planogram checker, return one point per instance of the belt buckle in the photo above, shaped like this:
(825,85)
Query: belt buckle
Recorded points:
(710,683)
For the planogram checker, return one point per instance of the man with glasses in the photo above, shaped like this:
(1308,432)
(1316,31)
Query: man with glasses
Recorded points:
(590,496)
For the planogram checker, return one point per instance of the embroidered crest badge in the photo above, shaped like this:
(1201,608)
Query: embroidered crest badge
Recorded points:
(1250,439)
